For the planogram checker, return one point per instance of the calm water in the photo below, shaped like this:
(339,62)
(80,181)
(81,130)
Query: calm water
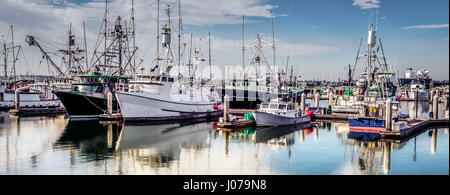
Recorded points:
(42,145)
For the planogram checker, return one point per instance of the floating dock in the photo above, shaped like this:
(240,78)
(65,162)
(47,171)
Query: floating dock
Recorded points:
(414,128)
(235,125)
(25,112)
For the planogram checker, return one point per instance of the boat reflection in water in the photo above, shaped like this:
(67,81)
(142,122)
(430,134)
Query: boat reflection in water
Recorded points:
(160,145)
(95,140)
(154,145)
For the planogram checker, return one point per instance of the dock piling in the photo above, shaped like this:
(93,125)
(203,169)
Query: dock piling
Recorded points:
(388,115)
(17,100)
(435,107)
(316,100)
(330,99)
(110,104)
(302,103)
(226,108)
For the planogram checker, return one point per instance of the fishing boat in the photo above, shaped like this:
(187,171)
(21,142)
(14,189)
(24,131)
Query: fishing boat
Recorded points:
(278,113)
(160,96)
(90,86)
(32,95)
(88,95)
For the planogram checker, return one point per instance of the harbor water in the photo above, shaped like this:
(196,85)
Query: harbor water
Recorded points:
(57,145)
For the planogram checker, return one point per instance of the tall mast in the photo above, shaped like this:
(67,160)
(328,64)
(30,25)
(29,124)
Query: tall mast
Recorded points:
(243,46)
(14,56)
(273,39)
(157,36)
(134,39)
(190,56)
(5,59)
(179,37)
(106,29)
(69,45)
(85,48)
(209,48)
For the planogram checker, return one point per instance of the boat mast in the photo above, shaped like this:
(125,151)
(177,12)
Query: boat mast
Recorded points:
(85,48)
(157,36)
(209,48)
(273,39)
(243,46)
(14,56)
(179,37)
(134,39)
(106,31)
(5,59)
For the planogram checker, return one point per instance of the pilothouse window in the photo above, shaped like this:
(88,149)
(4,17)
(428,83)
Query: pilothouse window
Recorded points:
(265,106)
(274,106)
(282,107)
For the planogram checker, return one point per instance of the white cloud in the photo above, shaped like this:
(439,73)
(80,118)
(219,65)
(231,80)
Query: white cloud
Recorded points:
(432,26)
(366,4)
(48,19)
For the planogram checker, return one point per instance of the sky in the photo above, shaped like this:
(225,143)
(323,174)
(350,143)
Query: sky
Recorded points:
(321,37)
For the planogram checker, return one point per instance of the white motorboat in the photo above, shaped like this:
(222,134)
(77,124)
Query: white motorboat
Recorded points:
(279,114)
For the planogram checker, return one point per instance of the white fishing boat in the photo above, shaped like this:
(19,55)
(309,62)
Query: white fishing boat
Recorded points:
(154,97)
(30,96)
(279,114)
(160,96)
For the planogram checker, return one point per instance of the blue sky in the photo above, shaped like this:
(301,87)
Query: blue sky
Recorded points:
(321,36)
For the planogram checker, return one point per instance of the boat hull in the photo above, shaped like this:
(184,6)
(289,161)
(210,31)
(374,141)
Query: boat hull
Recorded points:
(268,119)
(245,99)
(141,107)
(82,106)
(366,125)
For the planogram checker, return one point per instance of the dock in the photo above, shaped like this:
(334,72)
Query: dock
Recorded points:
(26,112)
(415,127)
(237,124)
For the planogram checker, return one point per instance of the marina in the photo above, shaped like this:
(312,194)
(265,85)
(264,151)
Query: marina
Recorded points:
(119,100)
(91,147)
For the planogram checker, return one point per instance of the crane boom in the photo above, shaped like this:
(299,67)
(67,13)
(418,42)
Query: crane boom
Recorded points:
(32,42)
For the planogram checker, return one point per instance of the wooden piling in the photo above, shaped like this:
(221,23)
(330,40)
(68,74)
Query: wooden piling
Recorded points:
(388,115)
(302,103)
(330,99)
(226,108)
(17,100)
(110,103)
(435,107)
(316,100)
